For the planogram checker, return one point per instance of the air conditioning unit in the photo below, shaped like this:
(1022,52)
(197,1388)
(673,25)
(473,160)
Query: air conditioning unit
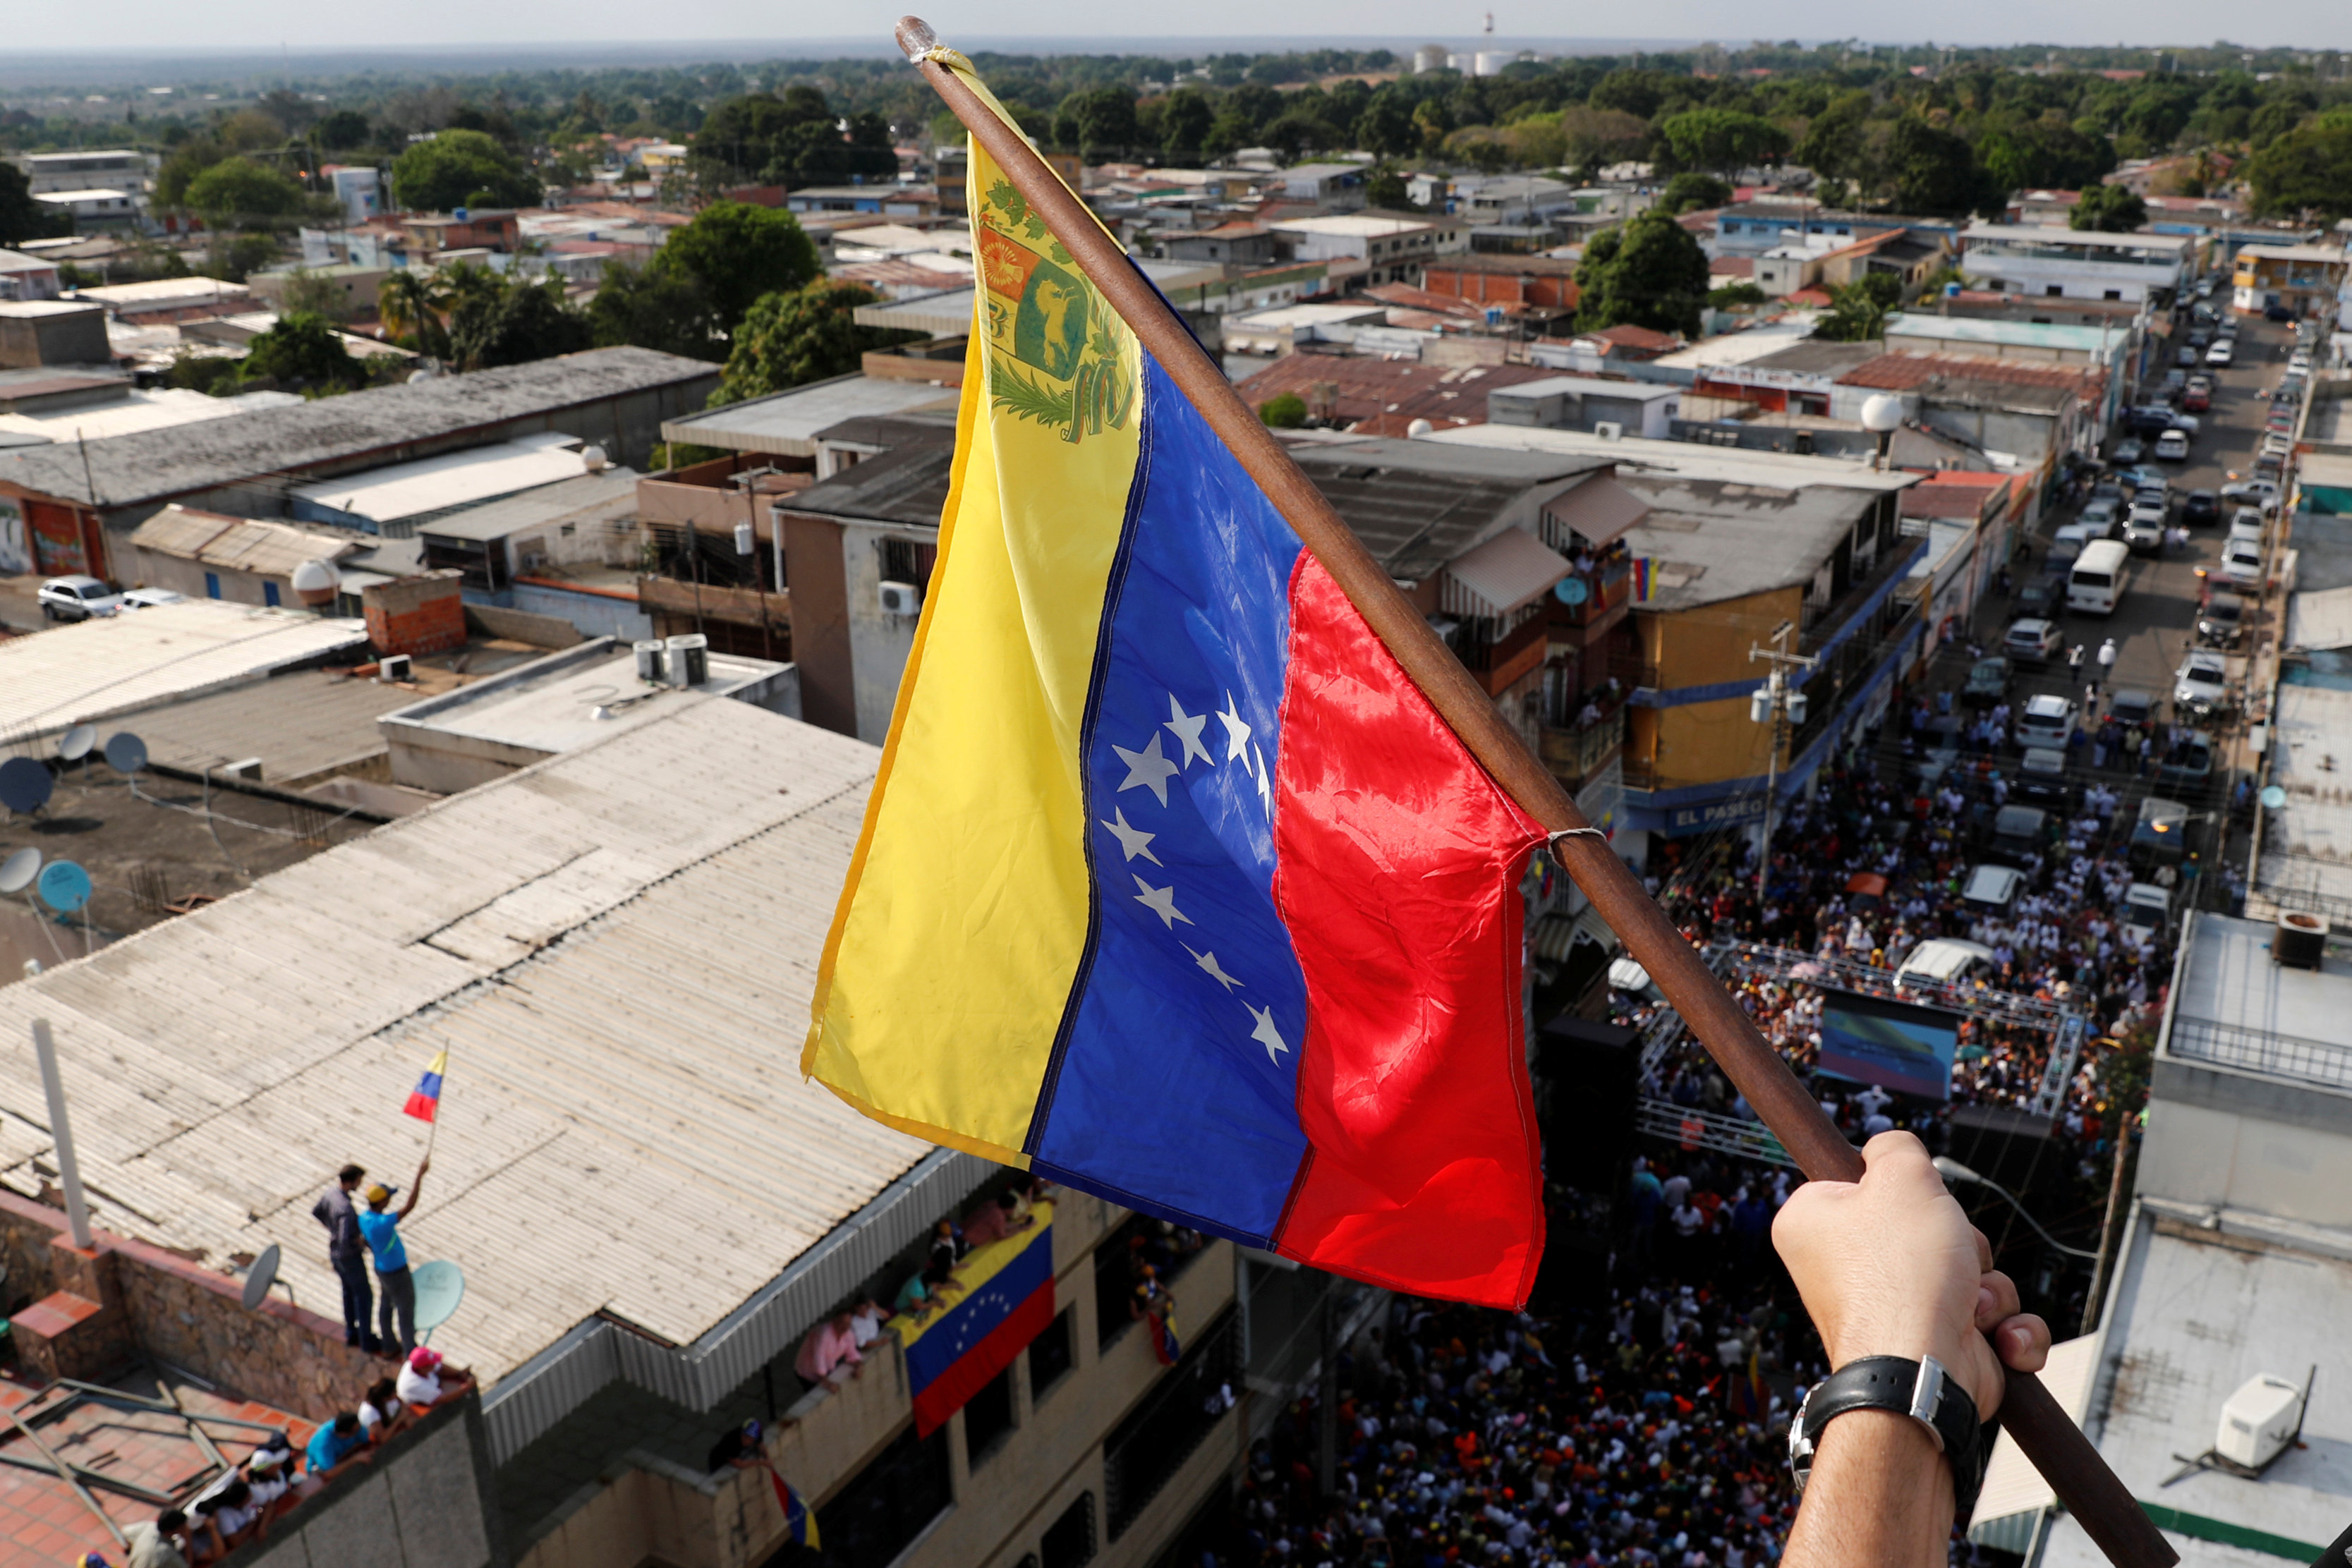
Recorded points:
(1609,430)
(394,668)
(901,599)
(2259,1421)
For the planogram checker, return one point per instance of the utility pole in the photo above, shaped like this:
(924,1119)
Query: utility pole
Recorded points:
(1776,704)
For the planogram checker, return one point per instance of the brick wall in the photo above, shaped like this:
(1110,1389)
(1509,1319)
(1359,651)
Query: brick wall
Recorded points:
(424,614)
(184,1314)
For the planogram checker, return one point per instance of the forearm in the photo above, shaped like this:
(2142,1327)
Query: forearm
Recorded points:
(1880,1493)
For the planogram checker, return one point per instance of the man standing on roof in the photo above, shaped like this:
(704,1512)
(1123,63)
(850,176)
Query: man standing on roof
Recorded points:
(392,1274)
(347,1254)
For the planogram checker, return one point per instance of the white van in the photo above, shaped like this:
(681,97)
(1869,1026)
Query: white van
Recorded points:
(2097,580)
(1944,960)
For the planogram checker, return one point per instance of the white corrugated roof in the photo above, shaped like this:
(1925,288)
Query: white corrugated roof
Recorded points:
(2318,619)
(617,950)
(71,674)
(2011,1484)
(432,485)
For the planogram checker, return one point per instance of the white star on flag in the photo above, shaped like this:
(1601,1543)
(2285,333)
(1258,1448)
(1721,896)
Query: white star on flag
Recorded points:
(1208,962)
(1160,901)
(1237,733)
(1187,728)
(1147,768)
(1133,841)
(1266,1033)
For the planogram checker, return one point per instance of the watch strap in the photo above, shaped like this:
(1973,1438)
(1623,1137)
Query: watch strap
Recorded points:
(1919,1389)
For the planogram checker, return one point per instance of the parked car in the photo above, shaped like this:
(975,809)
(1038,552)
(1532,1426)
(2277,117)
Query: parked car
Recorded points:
(2017,833)
(2100,518)
(2047,720)
(2262,493)
(2220,620)
(2200,339)
(2277,313)
(2199,506)
(2146,478)
(2154,419)
(2196,398)
(2188,768)
(2143,532)
(2039,600)
(2159,835)
(2175,382)
(2077,534)
(2172,446)
(2032,641)
(1989,681)
(2185,357)
(2275,443)
(2241,561)
(1993,889)
(2128,451)
(2129,705)
(2220,354)
(149,598)
(2109,490)
(2149,907)
(77,598)
(2200,687)
(2248,523)
(2041,778)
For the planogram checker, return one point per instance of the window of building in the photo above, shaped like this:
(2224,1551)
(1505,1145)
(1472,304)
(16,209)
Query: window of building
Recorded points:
(904,561)
(2114,294)
(1050,1354)
(1069,1540)
(988,1418)
(2053,290)
(892,1501)
(1159,1433)
(269,594)
(1142,1240)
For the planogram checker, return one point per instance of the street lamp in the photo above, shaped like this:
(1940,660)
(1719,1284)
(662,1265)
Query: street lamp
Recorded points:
(1774,704)
(1958,1175)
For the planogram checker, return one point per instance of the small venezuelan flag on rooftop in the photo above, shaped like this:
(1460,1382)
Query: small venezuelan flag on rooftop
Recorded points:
(1174,888)
(424,1100)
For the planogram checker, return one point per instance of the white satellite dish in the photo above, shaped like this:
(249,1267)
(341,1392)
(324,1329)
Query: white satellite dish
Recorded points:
(77,742)
(126,753)
(17,872)
(260,1277)
(316,583)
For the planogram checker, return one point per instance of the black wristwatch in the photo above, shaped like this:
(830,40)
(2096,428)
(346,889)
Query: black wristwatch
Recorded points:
(1919,1389)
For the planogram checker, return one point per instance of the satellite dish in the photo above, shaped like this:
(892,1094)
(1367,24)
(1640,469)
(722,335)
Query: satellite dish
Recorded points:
(440,1286)
(1572,590)
(24,784)
(316,582)
(126,753)
(260,1277)
(77,742)
(16,872)
(63,886)
(2273,796)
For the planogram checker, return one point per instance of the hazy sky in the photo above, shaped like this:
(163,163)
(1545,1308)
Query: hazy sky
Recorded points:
(247,23)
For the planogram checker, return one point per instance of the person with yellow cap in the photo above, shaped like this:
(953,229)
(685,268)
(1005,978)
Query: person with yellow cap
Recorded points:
(393,1280)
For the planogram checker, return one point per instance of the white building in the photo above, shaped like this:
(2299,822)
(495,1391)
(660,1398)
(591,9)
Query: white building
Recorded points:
(118,168)
(93,209)
(1364,250)
(2078,264)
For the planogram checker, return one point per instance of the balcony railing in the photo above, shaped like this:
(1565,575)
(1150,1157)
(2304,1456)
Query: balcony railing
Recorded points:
(1605,589)
(2258,1050)
(1575,755)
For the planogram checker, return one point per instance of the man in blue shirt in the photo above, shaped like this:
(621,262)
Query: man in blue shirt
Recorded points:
(338,1443)
(381,1231)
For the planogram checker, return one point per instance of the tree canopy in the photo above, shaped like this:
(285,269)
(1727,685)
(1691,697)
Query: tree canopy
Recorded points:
(793,140)
(515,323)
(21,218)
(237,193)
(2307,169)
(2111,208)
(695,292)
(1646,272)
(801,335)
(462,169)
(302,351)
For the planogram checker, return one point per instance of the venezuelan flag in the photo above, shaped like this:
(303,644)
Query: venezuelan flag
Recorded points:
(424,1100)
(1173,887)
(800,1524)
(1007,1301)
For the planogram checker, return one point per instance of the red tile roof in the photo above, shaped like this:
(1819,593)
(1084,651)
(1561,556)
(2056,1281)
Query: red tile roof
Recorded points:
(1636,339)
(1412,299)
(1903,373)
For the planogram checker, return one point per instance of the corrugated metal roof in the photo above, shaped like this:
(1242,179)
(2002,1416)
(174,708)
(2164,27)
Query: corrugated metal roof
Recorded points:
(1510,570)
(83,673)
(785,424)
(300,724)
(240,544)
(617,950)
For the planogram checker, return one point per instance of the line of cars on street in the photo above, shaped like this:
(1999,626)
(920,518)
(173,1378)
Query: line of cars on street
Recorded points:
(80,598)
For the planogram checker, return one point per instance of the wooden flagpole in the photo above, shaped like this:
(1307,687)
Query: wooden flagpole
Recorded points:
(2081,1480)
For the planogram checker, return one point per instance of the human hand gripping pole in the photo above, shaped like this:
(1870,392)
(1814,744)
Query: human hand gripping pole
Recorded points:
(2059,1450)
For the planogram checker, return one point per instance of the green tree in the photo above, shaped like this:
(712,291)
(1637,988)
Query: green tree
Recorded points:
(1284,411)
(308,293)
(524,321)
(2110,209)
(2273,121)
(2308,169)
(1184,121)
(1736,295)
(340,131)
(1386,189)
(1693,192)
(1837,143)
(461,168)
(1646,272)
(798,336)
(302,350)
(410,302)
(1858,309)
(1096,121)
(1385,127)
(735,254)
(237,193)
(21,218)
(1935,170)
(1722,139)
(655,308)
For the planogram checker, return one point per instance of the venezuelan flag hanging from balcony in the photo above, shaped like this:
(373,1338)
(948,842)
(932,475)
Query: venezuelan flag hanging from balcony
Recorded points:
(1007,1301)
(1174,888)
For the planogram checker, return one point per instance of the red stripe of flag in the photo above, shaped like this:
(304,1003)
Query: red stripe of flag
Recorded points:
(971,1372)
